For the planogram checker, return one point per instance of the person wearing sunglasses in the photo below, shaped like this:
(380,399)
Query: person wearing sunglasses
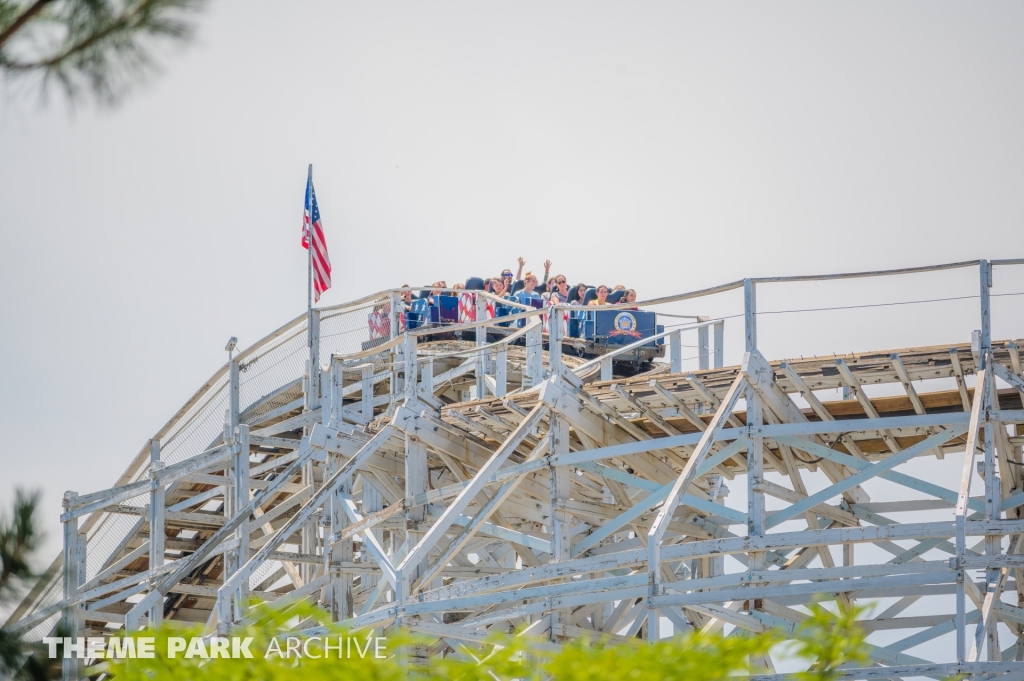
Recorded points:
(507,278)
(558,289)
(510,279)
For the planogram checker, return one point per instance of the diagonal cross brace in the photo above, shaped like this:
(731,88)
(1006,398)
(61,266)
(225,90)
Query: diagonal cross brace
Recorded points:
(866,473)
(308,508)
(644,505)
(903,479)
(688,475)
(315,440)
(467,495)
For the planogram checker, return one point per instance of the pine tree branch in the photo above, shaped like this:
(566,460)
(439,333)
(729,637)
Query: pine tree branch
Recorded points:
(123,22)
(23,19)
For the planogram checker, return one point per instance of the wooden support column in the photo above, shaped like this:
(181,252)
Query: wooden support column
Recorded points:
(427,377)
(560,517)
(755,475)
(675,350)
(72,580)
(703,351)
(333,416)
(749,314)
(755,418)
(533,374)
(394,325)
(367,390)
(372,503)
(411,367)
(415,484)
(156,527)
(993,495)
(719,492)
(339,550)
(241,492)
(231,420)
(481,340)
(501,371)
(309,532)
(313,379)
(556,331)
(395,315)
(719,345)
(755,444)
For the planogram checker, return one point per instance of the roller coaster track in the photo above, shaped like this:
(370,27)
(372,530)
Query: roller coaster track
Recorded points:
(474,479)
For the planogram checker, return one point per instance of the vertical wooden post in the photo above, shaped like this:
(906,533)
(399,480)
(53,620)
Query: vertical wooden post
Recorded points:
(336,413)
(755,498)
(411,368)
(313,384)
(230,558)
(481,340)
(755,441)
(72,580)
(338,550)
(366,381)
(397,306)
(372,503)
(676,351)
(993,495)
(396,313)
(241,480)
(415,483)
(960,618)
(156,526)
(427,377)
(309,533)
(560,517)
(755,475)
(719,345)
(501,371)
(534,372)
(749,314)
(703,351)
(555,334)
(716,565)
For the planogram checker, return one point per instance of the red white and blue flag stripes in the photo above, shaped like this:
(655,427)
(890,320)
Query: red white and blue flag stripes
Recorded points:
(321,262)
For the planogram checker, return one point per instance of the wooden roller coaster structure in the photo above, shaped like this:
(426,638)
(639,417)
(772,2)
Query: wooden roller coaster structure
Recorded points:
(478,478)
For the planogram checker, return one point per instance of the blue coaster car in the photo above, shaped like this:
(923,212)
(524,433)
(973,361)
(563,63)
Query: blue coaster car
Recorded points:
(448,309)
(421,313)
(613,327)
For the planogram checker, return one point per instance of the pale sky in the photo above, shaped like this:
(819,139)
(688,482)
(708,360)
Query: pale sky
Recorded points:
(665,146)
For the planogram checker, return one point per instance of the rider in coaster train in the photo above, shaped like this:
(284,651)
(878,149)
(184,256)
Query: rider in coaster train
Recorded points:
(528,294)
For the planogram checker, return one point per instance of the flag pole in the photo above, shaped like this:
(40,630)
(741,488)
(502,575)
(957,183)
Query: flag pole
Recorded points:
(309,260)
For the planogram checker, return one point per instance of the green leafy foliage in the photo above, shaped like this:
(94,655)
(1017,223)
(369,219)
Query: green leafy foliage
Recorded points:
(824,642)
(19,538)
(98,46)
(829,641)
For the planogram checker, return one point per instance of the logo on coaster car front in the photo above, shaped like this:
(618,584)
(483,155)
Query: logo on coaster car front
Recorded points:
(624,325)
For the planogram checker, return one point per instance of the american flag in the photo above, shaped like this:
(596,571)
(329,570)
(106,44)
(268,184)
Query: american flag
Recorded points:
(321,261)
